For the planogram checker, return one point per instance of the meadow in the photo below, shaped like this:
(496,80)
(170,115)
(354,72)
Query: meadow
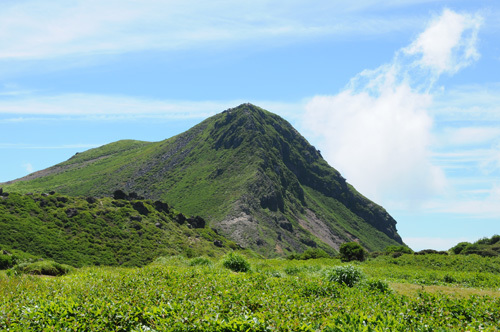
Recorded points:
(406,293)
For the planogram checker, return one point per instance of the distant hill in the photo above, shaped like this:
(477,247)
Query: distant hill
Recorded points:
(102,231)
(247,171)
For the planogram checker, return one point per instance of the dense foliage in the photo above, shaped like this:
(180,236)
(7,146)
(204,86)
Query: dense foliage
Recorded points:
(172,295)
(489,247)
(90,231)
(351,251)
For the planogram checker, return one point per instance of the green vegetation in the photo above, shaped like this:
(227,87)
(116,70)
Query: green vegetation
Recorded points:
(345,275)
(173,294)
(489,247)
(246,171)
(89,231)
(236,263)
(47,268)
(311,253)
(352,251)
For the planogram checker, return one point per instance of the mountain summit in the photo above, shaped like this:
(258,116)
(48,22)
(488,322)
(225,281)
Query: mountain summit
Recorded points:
(247,171)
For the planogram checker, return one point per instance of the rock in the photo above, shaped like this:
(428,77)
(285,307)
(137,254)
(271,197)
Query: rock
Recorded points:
(119,194)
(285,224)
(309,242)
(161,207)
(91,200)
(45,195)
(158,225)
(62,199)
(141,208)
(71,212)
(196,222)
(218,243)
(180,218)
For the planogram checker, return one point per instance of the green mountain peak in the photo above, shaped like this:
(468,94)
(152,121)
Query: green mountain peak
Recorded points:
(246,171)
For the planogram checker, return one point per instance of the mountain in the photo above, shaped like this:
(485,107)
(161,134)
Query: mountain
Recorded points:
(247,171)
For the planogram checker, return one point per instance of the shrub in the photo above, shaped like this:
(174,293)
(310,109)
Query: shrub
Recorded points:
(459,247)
(5,262)
(378,286)
(398,249)
(313,253)
(345,275)
(236,263)
(352,251)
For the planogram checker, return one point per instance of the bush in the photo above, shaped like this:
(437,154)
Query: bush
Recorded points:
(352,251)
(236,263)
(5,262)
(345,275)
(459,247)
(398,249)
(378,285)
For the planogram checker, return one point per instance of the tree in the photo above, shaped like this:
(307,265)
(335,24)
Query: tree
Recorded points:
(352,251)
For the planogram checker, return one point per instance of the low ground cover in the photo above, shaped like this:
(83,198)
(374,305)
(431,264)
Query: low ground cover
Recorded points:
(180,294)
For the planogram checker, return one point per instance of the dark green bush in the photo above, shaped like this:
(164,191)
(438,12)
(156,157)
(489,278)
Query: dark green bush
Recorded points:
(236,263)
(459,247)
(5,262)
(398,249)
(352,251)
(345,275)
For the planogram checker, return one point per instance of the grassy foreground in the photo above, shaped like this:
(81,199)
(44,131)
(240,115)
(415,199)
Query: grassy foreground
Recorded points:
(177,294)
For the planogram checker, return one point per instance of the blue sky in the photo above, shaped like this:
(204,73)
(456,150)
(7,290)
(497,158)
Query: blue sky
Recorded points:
(403,98)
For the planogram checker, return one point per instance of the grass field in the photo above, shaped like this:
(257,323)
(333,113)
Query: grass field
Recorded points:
(180,294)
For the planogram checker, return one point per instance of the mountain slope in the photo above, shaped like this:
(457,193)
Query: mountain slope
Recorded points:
(247,171)
(106,231)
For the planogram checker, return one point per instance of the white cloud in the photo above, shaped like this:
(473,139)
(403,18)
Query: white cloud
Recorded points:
(36,29)
(378,131)
(448,44)
(470,135)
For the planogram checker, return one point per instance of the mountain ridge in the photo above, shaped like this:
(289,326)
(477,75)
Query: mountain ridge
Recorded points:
(246,170)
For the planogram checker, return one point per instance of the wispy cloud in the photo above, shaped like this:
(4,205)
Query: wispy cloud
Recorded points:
(37,29)
(106,107)
(46,147)
(378,131)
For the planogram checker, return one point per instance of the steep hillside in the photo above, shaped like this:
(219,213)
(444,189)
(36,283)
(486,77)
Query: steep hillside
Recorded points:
(247,171)
(106,231)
